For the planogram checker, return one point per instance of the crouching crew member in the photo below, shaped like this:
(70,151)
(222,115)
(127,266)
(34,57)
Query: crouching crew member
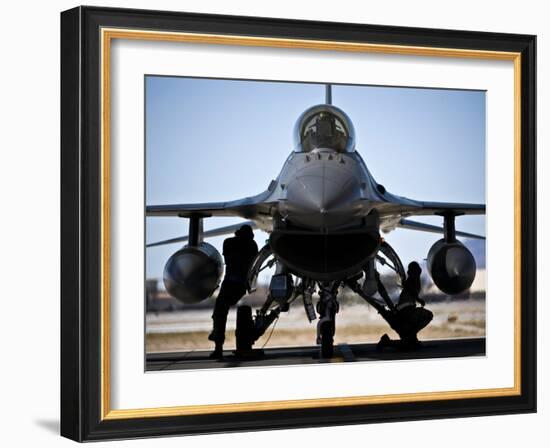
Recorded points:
(408,319)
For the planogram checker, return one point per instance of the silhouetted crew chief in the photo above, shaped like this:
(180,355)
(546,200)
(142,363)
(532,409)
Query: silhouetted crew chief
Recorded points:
(411,288)
(413,318)
(239,253)
(408,319)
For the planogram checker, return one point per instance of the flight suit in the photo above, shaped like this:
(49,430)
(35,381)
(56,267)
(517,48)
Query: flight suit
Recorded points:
(410,318)
(239,253)
(406,318)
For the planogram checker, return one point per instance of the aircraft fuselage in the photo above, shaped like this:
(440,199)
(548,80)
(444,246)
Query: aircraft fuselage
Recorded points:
(326,226)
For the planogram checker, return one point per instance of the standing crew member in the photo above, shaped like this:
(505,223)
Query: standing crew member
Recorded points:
(239,253)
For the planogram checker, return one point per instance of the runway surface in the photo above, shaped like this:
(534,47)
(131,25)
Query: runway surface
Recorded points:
(448,348)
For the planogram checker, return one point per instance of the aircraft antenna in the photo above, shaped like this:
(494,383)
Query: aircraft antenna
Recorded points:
(328,93)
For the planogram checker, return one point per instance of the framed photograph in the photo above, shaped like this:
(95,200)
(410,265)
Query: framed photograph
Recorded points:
(276,224)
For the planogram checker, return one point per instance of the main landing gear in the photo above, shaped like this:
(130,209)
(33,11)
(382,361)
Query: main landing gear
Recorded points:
(327,307)
(251,328)
(406,322)
(283,291)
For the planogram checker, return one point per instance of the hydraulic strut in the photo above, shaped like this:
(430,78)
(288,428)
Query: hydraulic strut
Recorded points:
(356,288)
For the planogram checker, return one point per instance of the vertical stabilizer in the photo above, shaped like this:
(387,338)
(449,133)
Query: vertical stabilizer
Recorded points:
(328,93)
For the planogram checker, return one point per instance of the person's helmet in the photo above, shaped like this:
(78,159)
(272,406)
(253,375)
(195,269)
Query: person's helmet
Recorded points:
(414,269)
(245,231)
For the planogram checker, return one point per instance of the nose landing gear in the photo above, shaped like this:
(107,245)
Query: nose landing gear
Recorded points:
(327,307)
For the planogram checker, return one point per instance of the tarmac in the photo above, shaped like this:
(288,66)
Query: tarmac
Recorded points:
(279,356)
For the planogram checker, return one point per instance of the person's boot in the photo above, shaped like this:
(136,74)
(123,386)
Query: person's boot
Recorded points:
(410,343)
(384,342)
(218,352)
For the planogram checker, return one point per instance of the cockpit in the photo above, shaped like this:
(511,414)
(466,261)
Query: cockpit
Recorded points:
(324,127)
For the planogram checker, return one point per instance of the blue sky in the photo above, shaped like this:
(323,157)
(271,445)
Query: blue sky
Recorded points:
(217,140)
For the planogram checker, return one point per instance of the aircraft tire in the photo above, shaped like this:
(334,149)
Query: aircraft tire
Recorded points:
(245,328)
(327,340)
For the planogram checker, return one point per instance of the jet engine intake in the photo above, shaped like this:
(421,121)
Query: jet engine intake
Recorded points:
(324,256)
(193,273)
(451,266)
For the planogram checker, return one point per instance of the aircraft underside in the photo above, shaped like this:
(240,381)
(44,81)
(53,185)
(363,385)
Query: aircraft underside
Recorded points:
(286,287)
(311,263)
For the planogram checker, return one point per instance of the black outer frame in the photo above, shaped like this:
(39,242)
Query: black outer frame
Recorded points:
(81,208)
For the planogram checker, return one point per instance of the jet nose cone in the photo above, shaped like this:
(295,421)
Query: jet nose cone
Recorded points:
(322,195)
(315,193)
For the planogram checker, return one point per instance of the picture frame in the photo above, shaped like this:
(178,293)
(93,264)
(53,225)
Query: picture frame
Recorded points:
(86,207)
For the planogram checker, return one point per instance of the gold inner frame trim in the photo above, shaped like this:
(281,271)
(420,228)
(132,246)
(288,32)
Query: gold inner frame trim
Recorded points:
(107,35)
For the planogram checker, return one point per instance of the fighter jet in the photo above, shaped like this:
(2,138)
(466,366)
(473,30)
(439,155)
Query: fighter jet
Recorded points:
(324,214)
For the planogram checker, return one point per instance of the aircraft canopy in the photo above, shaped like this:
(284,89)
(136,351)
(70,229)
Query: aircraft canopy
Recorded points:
(324,126)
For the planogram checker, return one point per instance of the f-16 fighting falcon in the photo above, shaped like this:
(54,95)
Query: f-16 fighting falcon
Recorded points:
(325,214)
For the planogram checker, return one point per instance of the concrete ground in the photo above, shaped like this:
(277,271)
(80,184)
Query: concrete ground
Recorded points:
(198,359)
(356,323)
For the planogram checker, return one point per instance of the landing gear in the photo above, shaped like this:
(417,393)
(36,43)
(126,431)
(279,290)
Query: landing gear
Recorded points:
(327,307)
(282,292)
(284,289)
(244,333)
(326,331)
(388,257)
(249,329)
(405,321)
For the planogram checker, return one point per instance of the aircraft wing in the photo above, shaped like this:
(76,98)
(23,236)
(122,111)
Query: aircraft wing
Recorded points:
(423,227)
(226,230)
(435,208)
(392,207)
(246,208)
(395,209)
